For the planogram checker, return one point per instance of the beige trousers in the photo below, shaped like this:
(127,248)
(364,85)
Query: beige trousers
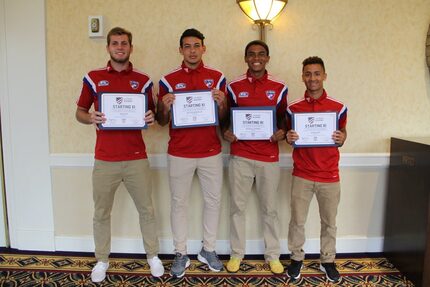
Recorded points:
(210,173)
(136,176)
(242,173)
(328,197)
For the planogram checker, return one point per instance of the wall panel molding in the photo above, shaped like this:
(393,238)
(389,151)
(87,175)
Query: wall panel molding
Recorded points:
(159,161)
(134,245)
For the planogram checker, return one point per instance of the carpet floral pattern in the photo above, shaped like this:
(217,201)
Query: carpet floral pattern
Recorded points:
(66,271)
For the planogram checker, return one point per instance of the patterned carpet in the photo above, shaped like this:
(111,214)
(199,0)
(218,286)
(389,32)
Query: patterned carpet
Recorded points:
(67,270)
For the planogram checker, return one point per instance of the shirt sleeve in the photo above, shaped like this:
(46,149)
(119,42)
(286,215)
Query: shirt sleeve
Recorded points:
(162,88)
(231,98)
(282,105)
(343,120)
(150,92)
(223,86)
(288,114)
(86,99)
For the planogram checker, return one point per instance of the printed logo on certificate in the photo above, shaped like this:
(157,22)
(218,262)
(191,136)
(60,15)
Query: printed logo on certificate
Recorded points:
(194,109)
(315,129)
(253,123)
(123,111)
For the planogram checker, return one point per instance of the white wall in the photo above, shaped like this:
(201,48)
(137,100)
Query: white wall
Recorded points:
(25,124)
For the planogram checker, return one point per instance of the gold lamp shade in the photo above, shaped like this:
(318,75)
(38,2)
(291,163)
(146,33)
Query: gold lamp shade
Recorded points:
(262,11)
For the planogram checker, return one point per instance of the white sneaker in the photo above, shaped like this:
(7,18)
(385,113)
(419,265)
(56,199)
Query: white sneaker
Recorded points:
(156,266)
(98,274)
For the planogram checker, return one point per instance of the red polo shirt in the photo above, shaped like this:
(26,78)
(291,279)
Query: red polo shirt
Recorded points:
(247,91)
(116,145)
(319,164)
(194,142)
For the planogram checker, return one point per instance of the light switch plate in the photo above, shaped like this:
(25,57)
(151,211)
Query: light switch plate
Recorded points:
(95,26)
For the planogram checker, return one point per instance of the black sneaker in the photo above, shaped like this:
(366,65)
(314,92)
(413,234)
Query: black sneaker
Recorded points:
(330,271)
(293,271)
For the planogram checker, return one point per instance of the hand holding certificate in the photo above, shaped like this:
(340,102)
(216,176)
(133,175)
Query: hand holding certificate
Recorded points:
(253,123)
(123,110)
(194,109)
(314,129)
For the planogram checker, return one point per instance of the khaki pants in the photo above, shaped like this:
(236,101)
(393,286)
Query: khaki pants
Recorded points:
(181,172)
(328,197)
(136,176)
(242,173)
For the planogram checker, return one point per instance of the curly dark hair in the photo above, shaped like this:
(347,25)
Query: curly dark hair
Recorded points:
(313,60)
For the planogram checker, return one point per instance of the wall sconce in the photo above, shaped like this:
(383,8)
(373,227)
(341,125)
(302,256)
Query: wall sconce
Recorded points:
(262,12)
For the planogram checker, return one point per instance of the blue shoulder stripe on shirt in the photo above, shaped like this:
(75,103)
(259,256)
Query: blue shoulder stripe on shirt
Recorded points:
(222,83)
(87,80)
(148,85)
(163,82)
(342,112)
(232,96)
(284,93)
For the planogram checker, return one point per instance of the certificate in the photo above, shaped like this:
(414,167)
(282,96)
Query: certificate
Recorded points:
(315,129)
(253,123)
(123,111)
(194,109)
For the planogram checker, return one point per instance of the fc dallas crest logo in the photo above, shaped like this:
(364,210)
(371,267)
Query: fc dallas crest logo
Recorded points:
(209,83)
(270,94)
(134,85)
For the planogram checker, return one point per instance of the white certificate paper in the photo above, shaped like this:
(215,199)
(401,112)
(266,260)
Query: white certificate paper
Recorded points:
(123,110)
(314,129)
(194,109)
(253,123)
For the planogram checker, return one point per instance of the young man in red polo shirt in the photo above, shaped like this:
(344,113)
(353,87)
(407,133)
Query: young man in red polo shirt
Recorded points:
(193,150)
(315,172)
(256,160)
(120,155)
